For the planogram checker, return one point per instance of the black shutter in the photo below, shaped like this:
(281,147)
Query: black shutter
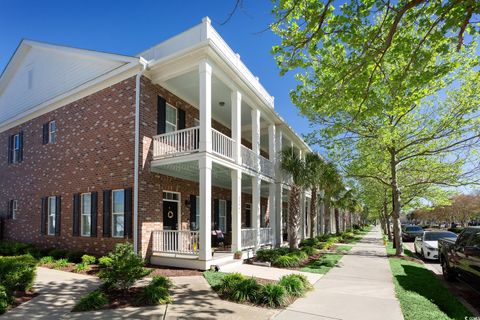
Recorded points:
(94,212)
(10,149)
(161,115)
(181,119)
(43,216)
(127,230)
(229,216)
(20,151)
(58,211)
(45,133)
(107,213)
(193,212)
(76,215)
(10,209)
(216,214)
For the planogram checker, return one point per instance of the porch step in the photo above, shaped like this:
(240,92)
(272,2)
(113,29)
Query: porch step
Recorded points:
(225,266)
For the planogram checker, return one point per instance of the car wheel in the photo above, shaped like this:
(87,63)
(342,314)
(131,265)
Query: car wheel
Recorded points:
(448,273)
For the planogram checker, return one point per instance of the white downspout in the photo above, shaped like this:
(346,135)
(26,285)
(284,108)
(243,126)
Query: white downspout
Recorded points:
(137,153)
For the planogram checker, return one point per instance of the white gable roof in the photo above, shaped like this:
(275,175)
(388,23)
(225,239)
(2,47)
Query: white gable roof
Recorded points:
(39,72)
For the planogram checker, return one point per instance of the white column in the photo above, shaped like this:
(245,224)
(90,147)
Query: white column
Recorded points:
(273,213)
(256,186)
(278,190)
(205,94)
(256,135)
(236,209)
(205,167)
(236,97)
(272,146)
(302,214)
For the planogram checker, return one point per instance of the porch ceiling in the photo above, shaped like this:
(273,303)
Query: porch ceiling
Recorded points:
(220,175)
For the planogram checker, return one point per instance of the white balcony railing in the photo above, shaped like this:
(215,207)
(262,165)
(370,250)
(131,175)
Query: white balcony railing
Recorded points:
(266,236)
(249,158)
(249,238)
(176,142)
(267,167)
(222,144)
(176,241)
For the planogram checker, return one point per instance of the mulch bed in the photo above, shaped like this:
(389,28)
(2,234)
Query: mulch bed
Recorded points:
(91,271)
(406,258)
(171,271)
(20,297)
(124,299)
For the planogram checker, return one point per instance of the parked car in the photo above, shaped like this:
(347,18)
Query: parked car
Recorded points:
(427,244)
(461,257)
(409,233)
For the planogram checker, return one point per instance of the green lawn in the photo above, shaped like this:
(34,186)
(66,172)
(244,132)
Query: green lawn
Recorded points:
(421,293)
(326,262)
(214,278)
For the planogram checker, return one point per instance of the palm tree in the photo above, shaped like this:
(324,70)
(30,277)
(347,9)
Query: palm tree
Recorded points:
(314,166)
(294,166)
(332,184)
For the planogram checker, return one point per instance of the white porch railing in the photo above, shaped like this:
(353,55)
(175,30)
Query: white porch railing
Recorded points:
(176,241)
(266,236)
(181,141)
(249,158)
(249,238)
(222,144)
(266,167)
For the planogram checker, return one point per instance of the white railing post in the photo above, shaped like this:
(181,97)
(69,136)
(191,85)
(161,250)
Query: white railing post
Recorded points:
(205,186)
(236,98)
(236,176)
(256,188)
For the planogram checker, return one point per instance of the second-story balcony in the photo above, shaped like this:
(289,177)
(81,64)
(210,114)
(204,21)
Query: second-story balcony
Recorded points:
(187,141)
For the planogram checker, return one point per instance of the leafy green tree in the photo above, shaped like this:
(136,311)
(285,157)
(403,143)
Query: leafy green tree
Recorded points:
(315,167)
(396,77)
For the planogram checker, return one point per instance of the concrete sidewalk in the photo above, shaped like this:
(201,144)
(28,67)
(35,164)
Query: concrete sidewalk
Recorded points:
(360,287)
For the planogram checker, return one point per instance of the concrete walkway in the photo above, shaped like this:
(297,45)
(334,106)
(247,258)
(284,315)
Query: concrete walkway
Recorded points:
(270,273)
(360,287)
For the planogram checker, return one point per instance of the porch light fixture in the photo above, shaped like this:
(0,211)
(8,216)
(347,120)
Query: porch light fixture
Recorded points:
(221,103)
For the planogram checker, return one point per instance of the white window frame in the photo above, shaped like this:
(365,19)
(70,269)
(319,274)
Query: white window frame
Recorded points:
(169,196)
(82,214)
(52,132)
(175,125)
(51,212)
(222,216)
(14,209)
(122,213)
(16,148)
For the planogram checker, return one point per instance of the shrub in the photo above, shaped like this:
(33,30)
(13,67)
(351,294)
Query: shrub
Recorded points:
(301,255)
(303,279)
(246,290)
(75,256)
(105,261)
(47,260)
(310,242)
(4,299)
(156,292)
(17,273)
(124,268)
(10,248)
(60,263)
(293,285)
(86,259)
(58,253)
(269,255)
(310,251)
(287,261)
(272,295)
(229,283)
(79,267)
(93,301)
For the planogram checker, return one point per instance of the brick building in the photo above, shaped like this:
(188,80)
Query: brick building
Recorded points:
(174,150)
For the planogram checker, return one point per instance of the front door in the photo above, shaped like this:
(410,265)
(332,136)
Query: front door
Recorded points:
(170,215)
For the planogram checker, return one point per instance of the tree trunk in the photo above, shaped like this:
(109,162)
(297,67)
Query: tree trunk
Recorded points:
(313,213)
(397,235)
(337,220)
(294,217)
(326,217)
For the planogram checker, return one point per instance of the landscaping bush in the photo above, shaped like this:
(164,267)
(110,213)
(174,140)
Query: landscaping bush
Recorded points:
(269,255)
(79,267)
(105,261)
(86,259)
(60,263)
(156,292)
(75,256)
(17,273)
(287,261)
(306,284)
(123,268)
(246,290)
(4,299)
(272,295)
(310,251)
(229,283)
(58,253)
(293,285)
(93,301)
(47,260)
(310,242)
(301,255)
(8,248)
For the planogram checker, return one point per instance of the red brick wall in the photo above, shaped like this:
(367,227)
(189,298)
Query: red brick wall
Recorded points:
(93,152)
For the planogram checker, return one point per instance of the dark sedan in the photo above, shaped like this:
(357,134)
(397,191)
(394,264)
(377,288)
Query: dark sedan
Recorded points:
(411,232)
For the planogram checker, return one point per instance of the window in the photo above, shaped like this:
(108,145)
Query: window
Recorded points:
(86,212)
(171,119)
(222,215)
(51,215)
(13,209)
(172,196)
(52,132)
(263,217)
(16,149)
(118,213)
(248,216)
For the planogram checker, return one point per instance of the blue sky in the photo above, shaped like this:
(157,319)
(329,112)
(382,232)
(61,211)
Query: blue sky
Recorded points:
(129,27)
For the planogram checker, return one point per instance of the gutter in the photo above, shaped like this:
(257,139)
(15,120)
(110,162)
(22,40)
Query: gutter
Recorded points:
(144,64)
